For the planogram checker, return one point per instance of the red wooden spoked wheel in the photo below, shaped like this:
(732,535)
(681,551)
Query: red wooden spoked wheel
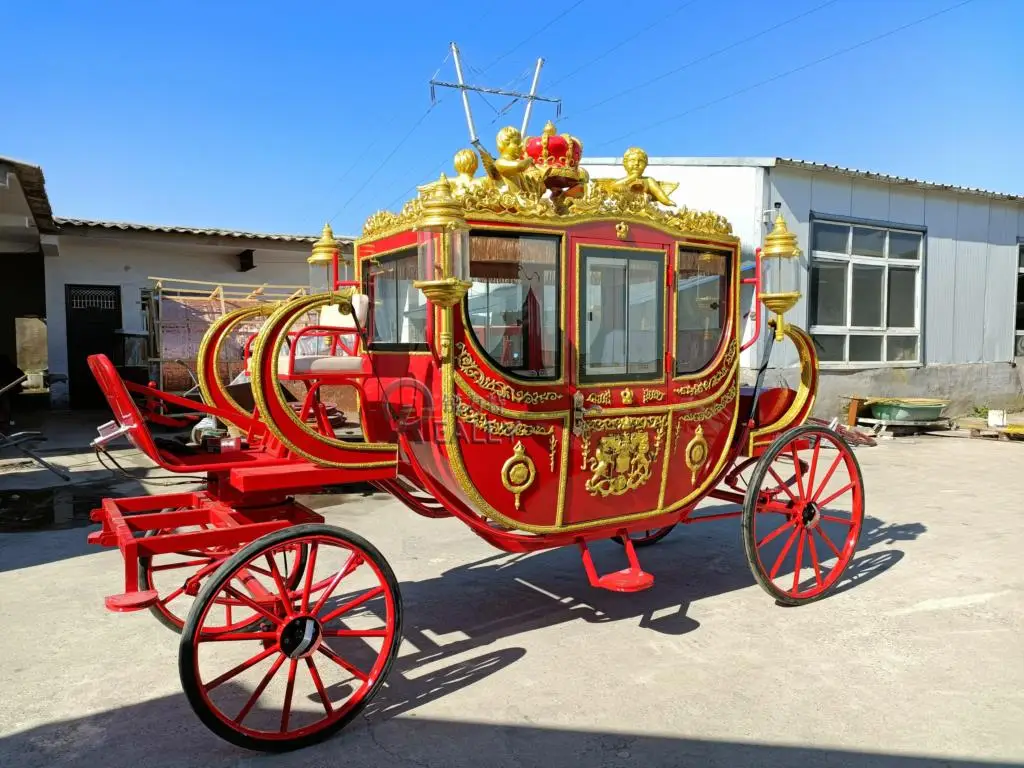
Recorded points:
(321,650)
(645,538)
(178,576)
(800,537)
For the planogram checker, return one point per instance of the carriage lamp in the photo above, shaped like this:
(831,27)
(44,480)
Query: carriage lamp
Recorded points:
(780,290)
(324,271)
(442,245)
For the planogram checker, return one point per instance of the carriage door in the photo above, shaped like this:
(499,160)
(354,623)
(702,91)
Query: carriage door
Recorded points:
(619,386)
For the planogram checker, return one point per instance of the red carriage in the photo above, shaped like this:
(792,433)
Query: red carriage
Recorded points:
(549,358)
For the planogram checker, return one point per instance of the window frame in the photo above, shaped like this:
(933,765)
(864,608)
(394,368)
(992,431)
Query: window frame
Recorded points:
(1018,333)
(732,256)
(511,374)
(366,279)
(658,256)
(850,260)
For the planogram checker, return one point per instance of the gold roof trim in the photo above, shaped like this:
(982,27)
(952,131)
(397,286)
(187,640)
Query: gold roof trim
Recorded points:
(515,189)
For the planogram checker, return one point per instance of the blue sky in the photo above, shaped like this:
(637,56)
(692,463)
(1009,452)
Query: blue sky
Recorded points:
(274,116)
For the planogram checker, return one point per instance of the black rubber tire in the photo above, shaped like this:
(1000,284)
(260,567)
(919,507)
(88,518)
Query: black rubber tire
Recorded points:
(647,541)
(750,503)
(186,647)
(145,584)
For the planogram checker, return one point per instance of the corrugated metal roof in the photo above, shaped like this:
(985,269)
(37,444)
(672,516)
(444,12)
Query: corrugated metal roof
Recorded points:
(771,162)
(192,231)
(33,185)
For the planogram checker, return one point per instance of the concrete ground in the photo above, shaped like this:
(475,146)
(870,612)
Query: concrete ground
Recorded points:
(917,659)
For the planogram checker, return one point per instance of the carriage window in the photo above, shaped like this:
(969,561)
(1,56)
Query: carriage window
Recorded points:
(702,304)
(398,311)
(513,306)
(621,314)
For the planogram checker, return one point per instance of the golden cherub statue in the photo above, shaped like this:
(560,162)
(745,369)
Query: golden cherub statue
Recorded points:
(465,166)
(517,173)
(635,162)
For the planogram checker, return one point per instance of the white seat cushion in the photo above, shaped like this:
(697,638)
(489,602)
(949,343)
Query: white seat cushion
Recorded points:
(324,364)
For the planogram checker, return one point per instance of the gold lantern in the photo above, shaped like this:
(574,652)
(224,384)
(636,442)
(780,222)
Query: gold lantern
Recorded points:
(780,280)
(442,243)
(322,271)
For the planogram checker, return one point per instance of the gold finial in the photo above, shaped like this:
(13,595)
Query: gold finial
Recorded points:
(440,208)
(780,242)
(549,128)
(324,248)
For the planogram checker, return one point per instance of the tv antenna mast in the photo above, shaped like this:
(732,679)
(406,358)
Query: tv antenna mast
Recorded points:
(464,88)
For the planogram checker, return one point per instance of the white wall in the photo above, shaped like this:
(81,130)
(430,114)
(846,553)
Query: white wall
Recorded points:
(731,191)
(129,261)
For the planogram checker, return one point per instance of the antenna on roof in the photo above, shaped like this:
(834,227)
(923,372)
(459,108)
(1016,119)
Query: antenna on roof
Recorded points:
(464,88)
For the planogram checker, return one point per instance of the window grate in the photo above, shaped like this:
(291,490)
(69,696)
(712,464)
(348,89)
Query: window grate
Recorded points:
(93,298)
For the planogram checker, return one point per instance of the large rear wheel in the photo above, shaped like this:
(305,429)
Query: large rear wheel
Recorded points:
(800,534)
(319,654)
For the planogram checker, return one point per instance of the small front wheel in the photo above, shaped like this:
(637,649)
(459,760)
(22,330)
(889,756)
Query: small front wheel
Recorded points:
(319,653)
(800,536)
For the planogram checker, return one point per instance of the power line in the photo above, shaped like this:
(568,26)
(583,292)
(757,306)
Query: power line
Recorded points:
(665,17)
(541,28)
(787,73)
(702,59)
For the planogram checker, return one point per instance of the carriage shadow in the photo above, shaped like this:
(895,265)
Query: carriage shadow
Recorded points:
(503,596)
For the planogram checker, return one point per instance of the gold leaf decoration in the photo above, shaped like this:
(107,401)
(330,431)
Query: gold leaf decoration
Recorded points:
(469,368)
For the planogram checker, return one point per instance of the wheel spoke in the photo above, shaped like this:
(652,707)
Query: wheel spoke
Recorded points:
(781,482)
(259,689)
(797,471)
(828,476)
(355,633)
(252,604)
(841,520)
(354,603)
(799,560)
(333,656)
(313,673)
(228,636)
(814,560)
(814,466)
(175,594)
(775,507)
(784,552)
(281,588)
(354,562)
(287,709)
(837,494)
(240,668)
(776,532)
(828,541)
(308,584)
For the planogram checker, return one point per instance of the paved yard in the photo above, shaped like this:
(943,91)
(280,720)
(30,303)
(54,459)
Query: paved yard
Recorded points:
(917,660)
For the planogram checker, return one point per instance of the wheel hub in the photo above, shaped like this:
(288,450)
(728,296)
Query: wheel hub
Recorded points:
(300,637)
(811,515)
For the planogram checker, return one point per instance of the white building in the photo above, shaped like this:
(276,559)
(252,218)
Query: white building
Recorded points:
(910,288)
(77,283)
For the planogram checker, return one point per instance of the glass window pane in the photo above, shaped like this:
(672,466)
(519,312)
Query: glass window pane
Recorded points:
(622,314)
(702,301)
(865,349)
(513,304)
(904,245)
(901,349)
(643,337)
(1020,257)
(385,318)
(868,242)
(866,302)
(830,348)
(412,304)
(830,237)
(1020,303)
(902,299)
(828,293)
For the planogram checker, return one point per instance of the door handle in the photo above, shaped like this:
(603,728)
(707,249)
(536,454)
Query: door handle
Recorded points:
(579,411)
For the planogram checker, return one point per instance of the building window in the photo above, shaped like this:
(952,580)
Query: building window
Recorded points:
(1018,341)
(865,293)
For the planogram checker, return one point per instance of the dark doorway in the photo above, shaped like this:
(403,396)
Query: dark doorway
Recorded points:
(93,315)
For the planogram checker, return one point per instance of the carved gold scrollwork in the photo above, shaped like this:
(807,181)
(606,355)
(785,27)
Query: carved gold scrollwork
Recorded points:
(653,395)
(468,415)
(469,368)
(518,472)
(623,461)
(704,385)
(712,409)
(622,230)
(627,396)
(697,452)
(604,397)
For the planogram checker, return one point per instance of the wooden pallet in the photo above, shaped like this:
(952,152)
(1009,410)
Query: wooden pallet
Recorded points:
(980,428)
